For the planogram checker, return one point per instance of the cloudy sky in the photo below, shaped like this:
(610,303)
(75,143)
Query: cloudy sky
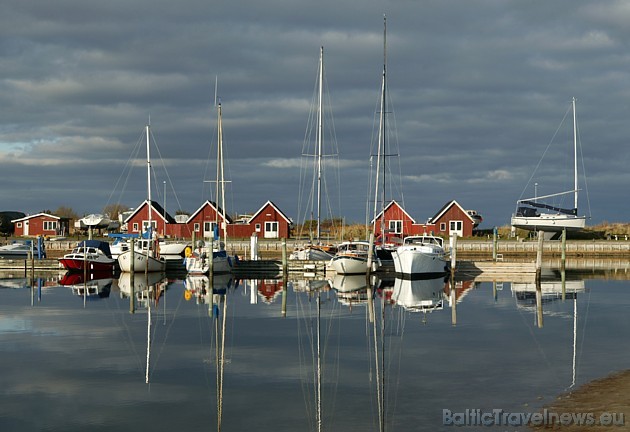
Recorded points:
(477,90)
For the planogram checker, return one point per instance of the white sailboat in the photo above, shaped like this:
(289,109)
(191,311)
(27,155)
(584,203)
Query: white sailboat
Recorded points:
(316,250)
(534,214)
(146,257)
(211,256)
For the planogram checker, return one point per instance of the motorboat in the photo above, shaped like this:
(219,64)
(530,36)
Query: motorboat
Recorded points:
(420,256)
(351,257)
(21,250)
(91,255)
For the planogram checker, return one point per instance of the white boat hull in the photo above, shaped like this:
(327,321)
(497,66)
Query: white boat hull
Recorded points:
(549,222)
(200,265)
(419,260)
(348,264)
(141,262)
(173,248)
(419,295)
(311,254)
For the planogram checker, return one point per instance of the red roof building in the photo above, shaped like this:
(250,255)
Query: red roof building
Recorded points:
(41,224)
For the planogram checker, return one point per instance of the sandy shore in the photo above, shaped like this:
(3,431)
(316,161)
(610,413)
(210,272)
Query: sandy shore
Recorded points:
(607,395)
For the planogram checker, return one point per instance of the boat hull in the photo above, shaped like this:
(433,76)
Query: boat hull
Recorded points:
(311,254)
(549,223)
(200,264)
(348,264)
(141,262)
(79,265)
(420,261)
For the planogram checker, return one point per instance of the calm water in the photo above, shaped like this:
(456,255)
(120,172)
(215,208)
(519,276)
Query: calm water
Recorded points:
(245,356)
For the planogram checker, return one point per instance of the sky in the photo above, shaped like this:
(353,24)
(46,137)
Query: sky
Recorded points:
(477,90)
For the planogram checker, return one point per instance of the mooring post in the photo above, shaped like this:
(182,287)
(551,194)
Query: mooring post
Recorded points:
(539,310)
(254,246)
(494,244)
(285,269)
(132,275)
(210,258)
(539,254)
(564,248)
(453,241)
(370,257)
(453,298)
(285,281)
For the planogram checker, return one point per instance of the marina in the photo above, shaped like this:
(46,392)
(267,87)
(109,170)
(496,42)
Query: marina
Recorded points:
(199,353)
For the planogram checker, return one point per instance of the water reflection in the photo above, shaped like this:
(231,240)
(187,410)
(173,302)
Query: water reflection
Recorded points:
(345,353)
(90,286)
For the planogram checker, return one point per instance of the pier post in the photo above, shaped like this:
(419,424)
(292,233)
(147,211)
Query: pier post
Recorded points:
(453,298)
(539,310)
(285,281)
(210,256)
(539,253)
(254,246)
(284,257)
(453,241)
(370,256)
(494,244)
(564,248)
(132,275)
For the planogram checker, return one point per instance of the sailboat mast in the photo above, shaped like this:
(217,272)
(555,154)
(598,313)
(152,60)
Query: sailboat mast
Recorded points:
(575,157)
(320,139)
(380,159)
(148,132)
(384,135)
(220,171)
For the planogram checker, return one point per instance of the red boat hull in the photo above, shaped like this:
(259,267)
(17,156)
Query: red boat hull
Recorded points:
(75,265)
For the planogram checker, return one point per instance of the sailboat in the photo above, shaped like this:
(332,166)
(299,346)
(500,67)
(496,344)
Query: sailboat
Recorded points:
(315,250)
(534,214)
(146,258)
(346,261)
(212,257)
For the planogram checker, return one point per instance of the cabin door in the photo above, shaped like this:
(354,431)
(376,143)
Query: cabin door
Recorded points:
(271,230)
(456,227)
(25,227)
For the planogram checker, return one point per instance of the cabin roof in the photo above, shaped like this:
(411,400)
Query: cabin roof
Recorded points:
(269,203)
(445,208)
(391,203)
(159,210)
(216,208)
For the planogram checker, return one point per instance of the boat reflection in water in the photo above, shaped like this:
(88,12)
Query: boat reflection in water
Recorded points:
(419,295)
(204,290)
(213,292)
(351,290)
(91,286)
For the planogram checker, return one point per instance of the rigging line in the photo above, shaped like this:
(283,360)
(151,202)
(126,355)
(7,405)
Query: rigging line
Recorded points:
(168,177)
(301,355)
(538,346)
(168,330)
(585,321)
(127,169)
(545,152)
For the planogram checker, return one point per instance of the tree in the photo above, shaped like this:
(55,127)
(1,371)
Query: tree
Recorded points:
(66,212)
(113,210)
